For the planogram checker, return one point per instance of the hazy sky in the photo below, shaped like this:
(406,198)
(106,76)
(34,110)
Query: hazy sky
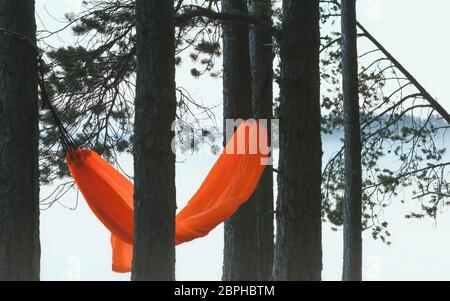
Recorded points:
(75,246)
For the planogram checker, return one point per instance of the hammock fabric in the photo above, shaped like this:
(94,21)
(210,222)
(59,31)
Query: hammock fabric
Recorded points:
(229,184)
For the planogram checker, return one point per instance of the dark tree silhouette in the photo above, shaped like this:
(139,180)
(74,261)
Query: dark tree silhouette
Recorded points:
(261,56)
(352,267)
(19,175)
(240,248)
(298,248)
(154,161)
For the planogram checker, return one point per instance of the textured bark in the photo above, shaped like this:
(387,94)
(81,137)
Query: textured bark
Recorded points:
(240,246)
(298,248)
(261,57)
(352,268)
(19,179)
(154,161)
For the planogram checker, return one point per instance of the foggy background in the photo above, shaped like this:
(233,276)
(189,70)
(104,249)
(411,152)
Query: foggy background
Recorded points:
(75,245)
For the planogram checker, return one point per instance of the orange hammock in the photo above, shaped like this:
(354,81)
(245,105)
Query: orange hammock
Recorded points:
(229,184)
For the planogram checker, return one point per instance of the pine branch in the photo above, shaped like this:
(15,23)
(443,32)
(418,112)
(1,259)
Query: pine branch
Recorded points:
(194,11)
(433,102)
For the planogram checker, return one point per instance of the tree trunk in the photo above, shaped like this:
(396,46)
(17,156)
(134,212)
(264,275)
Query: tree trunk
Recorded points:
(154,161)
(19,171)
(298,248)
(240,245)
(261,57)
(352,269)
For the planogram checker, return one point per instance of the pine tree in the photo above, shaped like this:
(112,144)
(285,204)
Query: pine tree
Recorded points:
(298,248)
(353,175)
(19,175)
(261,55)
(154,160)
(240,247)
